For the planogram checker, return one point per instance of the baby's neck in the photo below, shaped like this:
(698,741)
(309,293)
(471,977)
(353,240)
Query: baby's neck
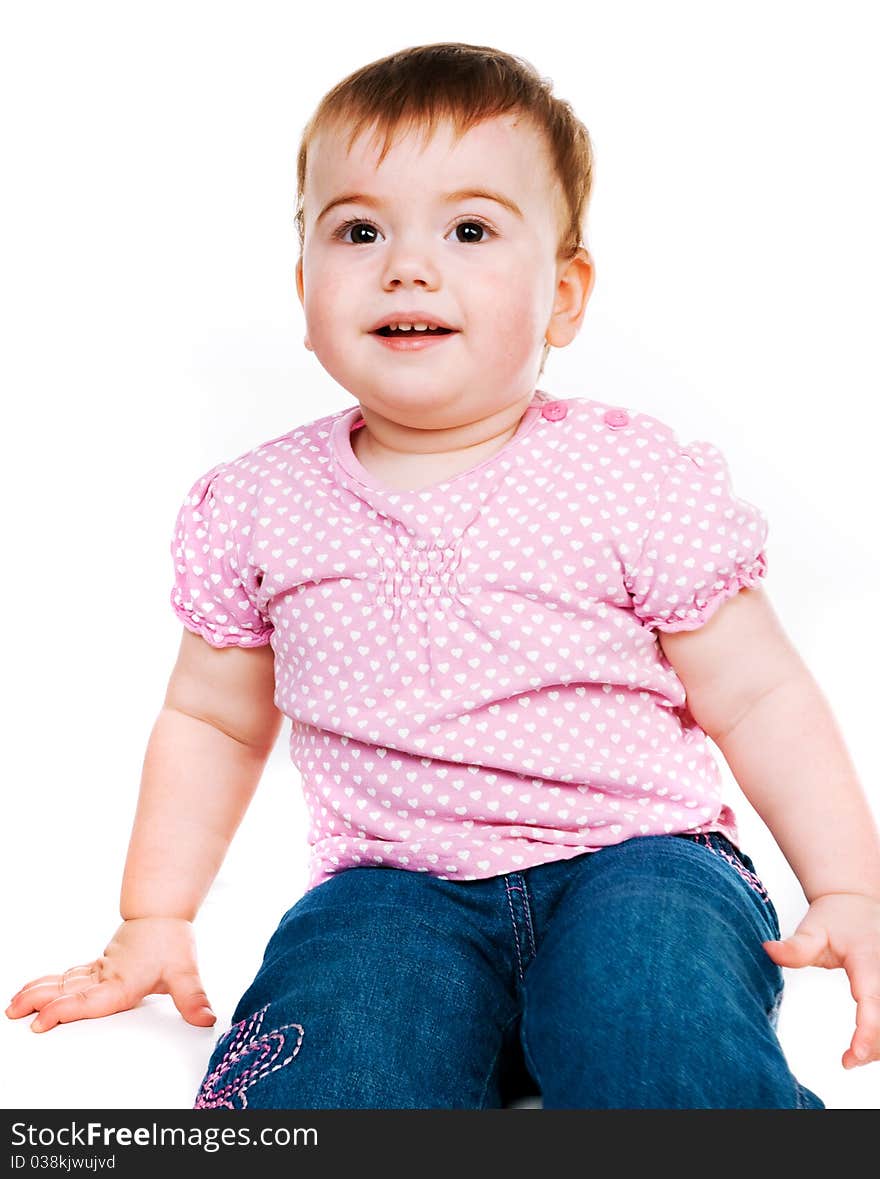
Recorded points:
(382,450)
(412,472)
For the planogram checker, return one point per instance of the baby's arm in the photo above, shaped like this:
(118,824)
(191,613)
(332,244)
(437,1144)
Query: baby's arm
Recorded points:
(204,759)
(750,691)
(203,763)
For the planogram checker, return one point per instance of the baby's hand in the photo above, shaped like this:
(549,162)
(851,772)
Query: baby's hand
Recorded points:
(146,956)
(843,929)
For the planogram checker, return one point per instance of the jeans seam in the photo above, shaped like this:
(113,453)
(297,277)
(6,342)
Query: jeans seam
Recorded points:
(527,910)
(491,1071)
(519,965)
(751,878)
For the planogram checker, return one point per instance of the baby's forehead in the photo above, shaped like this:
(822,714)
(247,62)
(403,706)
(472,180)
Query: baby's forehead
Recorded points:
(505,147)
(498,134)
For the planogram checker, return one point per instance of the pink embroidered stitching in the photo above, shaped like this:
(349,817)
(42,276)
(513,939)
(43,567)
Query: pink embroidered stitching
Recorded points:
(246,1042)
(750,878)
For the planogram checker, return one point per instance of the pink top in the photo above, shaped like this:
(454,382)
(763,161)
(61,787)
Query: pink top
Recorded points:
(471,669)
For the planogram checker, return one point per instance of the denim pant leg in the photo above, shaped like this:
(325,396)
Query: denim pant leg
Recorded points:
(651,989)
(379,990)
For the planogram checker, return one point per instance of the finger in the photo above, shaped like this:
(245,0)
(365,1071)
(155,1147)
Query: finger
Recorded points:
(83,968)
(803,948)
(864,983)
(36,982)
(190,999)
(101,998)
(47,979)
(850,1060)
(36,994)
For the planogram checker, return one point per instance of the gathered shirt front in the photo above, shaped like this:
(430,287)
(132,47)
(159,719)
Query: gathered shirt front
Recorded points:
(472,670)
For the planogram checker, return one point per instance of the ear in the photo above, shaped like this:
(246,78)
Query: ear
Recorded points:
(300,290)
(574,286)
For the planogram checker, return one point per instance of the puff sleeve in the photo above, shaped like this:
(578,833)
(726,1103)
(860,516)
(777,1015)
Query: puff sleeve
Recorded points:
(214,593)
(702,544)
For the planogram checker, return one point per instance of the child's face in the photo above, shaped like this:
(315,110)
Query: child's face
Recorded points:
(499,286)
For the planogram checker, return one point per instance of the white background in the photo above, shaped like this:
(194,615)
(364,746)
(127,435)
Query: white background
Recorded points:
(151,329)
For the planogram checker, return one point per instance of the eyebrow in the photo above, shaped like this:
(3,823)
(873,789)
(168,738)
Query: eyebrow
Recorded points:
(463,194)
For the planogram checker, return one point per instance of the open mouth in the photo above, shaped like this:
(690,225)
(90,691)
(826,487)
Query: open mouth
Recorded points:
(411,333)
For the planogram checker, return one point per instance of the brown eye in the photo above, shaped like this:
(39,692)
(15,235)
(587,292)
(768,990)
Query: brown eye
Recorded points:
(465,230)
(367,230)
(356,227)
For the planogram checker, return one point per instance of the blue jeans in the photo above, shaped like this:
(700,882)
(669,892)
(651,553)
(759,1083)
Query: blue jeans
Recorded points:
(632,977)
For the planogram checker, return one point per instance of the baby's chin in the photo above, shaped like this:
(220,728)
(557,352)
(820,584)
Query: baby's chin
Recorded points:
(469,420)
(420,406)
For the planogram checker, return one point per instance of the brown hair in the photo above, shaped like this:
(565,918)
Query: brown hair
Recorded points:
(420,86)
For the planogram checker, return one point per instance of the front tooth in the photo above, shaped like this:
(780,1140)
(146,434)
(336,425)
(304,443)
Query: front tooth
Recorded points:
(420,327)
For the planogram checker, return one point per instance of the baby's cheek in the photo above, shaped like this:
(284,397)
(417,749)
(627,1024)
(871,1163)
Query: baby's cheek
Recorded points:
(517,330)
(325,309)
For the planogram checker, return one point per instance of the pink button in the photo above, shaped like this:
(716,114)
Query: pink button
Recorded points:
(615,418)
(554,410)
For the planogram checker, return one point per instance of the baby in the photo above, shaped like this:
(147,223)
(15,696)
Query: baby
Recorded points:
(505,627)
